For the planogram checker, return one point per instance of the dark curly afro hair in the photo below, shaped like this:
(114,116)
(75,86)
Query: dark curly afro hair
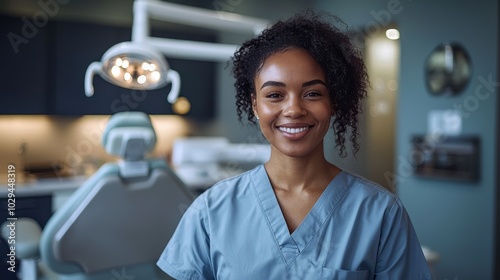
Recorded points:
(344,68)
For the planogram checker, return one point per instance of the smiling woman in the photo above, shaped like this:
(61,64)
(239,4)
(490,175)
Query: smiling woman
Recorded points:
(298,216)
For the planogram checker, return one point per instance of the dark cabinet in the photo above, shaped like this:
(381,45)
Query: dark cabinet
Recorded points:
(23,75)
(75,46)
(63,50)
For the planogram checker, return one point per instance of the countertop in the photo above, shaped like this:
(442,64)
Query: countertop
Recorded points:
(43,186)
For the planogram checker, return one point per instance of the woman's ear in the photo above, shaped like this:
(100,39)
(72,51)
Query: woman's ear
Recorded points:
(254,105)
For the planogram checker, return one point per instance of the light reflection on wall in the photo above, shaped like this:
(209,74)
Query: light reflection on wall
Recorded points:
(382,61)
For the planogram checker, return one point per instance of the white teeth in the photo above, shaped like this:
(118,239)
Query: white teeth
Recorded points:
(293,130)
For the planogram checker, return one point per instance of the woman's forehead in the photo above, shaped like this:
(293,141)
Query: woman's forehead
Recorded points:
(291,64)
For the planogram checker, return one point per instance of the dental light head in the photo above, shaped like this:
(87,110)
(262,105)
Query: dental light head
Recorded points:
(134,66)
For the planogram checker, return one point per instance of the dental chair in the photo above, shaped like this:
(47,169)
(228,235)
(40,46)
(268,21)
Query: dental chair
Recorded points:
(115,226)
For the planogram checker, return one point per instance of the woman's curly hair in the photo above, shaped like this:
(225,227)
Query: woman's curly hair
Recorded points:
(342,64)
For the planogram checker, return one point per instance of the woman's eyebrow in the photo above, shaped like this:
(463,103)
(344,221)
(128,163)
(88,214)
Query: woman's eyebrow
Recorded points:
(273,83)
(313,82)
(281,84)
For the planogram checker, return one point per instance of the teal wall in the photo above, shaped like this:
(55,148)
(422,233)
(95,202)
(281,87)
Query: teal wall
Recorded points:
(455,219)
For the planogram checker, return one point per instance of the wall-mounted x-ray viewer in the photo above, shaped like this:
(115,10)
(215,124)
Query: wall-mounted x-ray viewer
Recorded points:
(446,157)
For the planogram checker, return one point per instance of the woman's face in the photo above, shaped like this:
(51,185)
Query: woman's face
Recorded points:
(292,103)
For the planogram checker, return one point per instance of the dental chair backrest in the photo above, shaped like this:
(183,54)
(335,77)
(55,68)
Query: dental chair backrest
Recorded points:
(121,217)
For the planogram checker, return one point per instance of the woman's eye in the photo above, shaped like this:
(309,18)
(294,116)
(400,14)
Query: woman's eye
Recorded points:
(313,94)
(273,95)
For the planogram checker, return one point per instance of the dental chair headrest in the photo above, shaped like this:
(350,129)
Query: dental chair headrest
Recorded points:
(129,135)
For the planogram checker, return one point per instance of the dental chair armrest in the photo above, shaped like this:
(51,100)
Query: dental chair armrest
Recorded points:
(24,234)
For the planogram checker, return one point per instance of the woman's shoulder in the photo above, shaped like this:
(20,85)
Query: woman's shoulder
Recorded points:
(366,189)
(370,198)
(228,184)
(235,186)
(363,182)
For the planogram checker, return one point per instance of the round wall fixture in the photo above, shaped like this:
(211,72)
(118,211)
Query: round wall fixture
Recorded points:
(448,69)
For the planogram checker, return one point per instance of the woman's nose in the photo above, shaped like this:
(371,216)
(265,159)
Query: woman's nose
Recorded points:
(294,108)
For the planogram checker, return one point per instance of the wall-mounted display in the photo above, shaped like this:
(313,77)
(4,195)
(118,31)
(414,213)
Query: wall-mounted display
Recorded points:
(447,157)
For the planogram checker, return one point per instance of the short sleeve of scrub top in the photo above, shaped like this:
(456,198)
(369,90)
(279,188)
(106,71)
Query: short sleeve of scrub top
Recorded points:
(236,230)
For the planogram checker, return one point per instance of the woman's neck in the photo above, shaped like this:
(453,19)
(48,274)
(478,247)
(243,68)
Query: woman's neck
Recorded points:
(300,174)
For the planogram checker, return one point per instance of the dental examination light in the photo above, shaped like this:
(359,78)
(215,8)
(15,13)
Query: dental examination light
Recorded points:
(140,64)
(134,66)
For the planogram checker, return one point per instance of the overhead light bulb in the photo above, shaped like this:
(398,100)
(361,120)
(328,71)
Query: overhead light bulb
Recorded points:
(125,64)
(127,77)
(118,62)
(115,71)
(392,34)
(155,76)
(141,79)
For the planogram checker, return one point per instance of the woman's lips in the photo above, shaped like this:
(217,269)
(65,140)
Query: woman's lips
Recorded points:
(294,132)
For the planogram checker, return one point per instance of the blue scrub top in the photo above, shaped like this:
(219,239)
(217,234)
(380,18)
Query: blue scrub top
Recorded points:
(236,230)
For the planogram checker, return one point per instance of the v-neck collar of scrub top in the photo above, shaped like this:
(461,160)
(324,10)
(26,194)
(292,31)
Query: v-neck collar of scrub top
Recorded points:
(291,245)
